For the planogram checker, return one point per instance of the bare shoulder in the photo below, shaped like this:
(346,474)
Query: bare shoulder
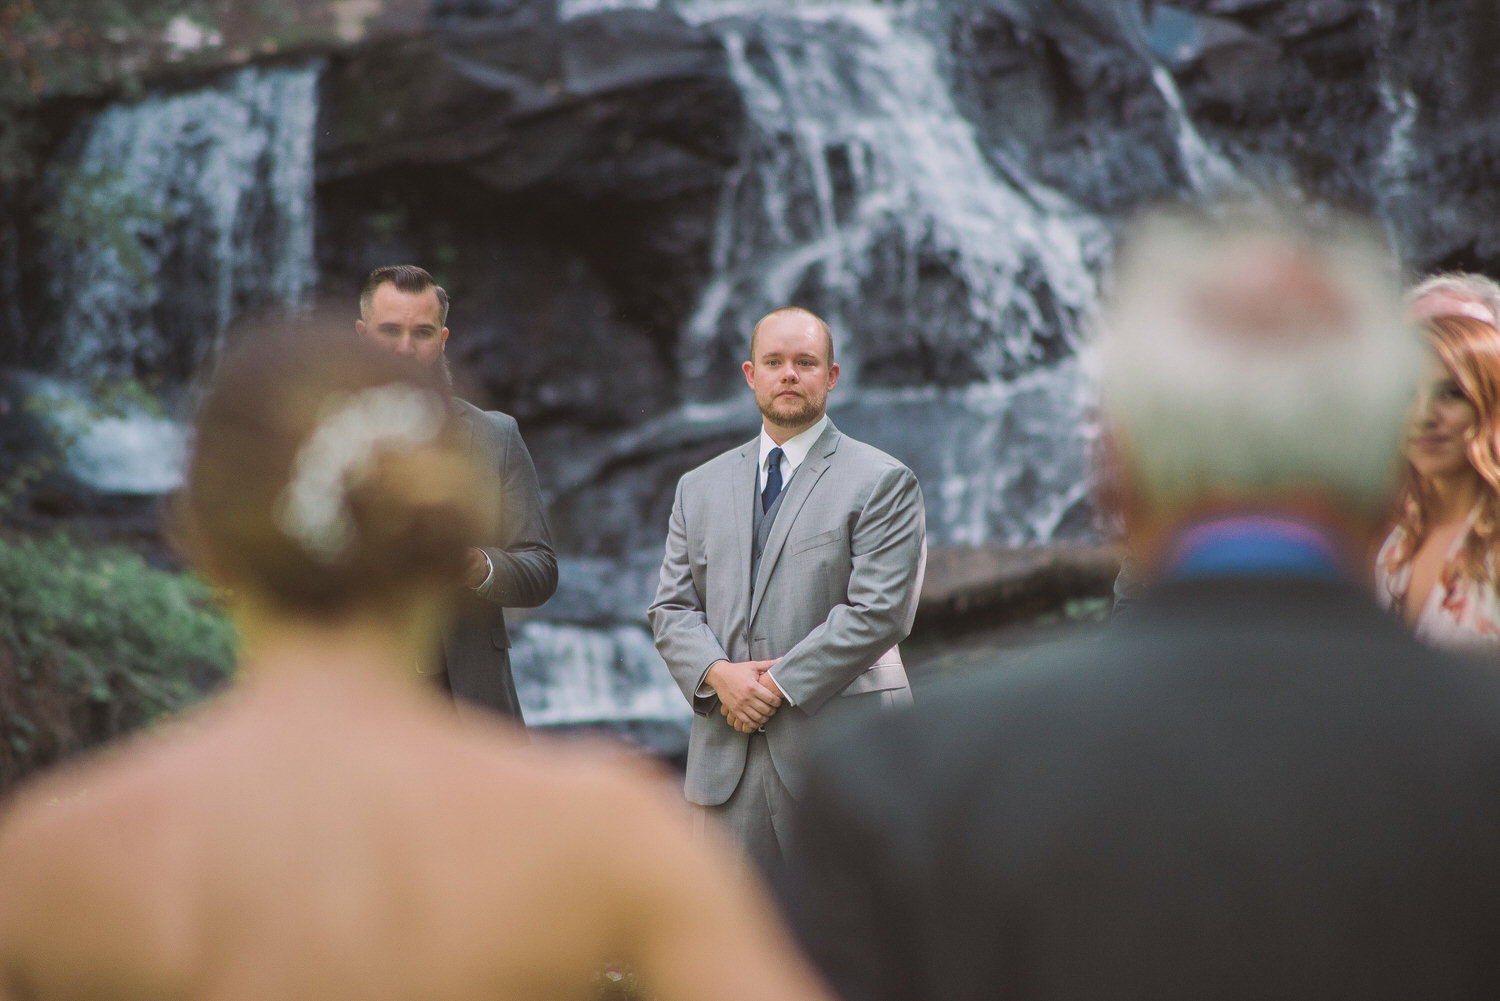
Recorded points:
(105,792)
(569,778)
(616,817)
(39,818)
(78,835)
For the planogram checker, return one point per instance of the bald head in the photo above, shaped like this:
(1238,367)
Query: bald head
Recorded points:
(791,314)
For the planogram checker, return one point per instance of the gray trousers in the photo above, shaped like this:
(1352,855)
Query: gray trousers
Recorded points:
(759,811)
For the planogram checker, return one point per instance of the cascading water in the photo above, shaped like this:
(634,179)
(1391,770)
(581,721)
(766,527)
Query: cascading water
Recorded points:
(215,190)
(193,207)
(865,195)
(1393,190)
(1208,172)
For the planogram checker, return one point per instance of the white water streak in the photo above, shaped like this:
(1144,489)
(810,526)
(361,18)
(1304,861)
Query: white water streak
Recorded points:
(858,84)
(577,674)
(211,191)
(1208,172)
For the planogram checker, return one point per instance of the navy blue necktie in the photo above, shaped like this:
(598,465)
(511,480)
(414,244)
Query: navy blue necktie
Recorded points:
(773,480)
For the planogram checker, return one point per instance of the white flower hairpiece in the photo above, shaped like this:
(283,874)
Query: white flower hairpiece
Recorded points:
(313,507)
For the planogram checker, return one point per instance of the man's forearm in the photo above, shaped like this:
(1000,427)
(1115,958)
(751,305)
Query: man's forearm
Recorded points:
(881,598)
(524,576)
(525,565)
(841,648)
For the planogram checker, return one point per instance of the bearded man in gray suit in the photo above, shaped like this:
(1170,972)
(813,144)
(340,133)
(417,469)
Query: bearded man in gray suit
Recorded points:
(404,311)
(792,569)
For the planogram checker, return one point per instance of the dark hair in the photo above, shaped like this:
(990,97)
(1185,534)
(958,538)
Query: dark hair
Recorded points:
(407,278)
(299,412)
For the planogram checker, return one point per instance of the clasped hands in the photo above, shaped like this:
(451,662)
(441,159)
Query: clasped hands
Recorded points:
(748,696)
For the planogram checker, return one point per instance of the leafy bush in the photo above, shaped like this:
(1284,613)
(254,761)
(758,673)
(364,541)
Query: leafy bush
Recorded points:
(95,642)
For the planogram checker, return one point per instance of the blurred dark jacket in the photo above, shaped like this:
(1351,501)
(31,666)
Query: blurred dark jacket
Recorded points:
(476,648)
(1250,787)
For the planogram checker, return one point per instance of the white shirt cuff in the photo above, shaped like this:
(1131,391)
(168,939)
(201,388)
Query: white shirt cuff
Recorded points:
(483,586)
(789,700)
(704,689)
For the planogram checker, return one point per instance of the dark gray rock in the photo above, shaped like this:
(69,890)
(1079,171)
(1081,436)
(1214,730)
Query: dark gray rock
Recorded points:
(561,179)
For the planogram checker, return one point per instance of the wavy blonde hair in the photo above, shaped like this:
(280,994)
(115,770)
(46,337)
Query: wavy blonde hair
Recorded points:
(1470,349)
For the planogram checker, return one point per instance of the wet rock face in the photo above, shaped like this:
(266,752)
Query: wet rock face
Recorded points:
(1376,106)
(1071,99)
(559,178)
(612,199)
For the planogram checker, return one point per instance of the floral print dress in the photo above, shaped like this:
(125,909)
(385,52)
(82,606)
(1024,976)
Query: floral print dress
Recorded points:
(1460,613)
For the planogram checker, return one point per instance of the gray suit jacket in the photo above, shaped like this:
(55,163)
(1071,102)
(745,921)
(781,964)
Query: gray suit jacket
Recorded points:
(476,648)
(836,591)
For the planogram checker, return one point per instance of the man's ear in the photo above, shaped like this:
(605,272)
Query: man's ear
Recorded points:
(833,375)
(443,337)
(749,369)
(360,328)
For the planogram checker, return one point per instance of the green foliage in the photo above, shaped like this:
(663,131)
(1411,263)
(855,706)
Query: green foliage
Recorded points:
(62,48)
(85,48)
(98,642)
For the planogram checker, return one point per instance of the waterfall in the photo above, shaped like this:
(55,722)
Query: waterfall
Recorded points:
(179,212)
(1208,172)
(1393,188)
(128,451)
(568,674)
(865,195)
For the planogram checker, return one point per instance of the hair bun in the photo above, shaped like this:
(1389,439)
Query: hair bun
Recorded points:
(328,474)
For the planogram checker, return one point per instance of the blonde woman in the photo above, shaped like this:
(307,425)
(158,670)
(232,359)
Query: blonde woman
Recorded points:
(1437,568)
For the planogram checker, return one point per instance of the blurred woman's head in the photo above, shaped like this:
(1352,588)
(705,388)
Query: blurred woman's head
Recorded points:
(1459,396)
(326,477)
(1454,432)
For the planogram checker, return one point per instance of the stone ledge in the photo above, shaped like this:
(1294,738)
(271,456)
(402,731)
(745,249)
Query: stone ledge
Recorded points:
(969,585)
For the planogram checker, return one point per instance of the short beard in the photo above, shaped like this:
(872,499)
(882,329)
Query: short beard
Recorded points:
(804,416)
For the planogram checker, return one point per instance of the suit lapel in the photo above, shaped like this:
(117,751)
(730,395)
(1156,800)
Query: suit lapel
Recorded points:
(484,459)
(797,491)
(742,495)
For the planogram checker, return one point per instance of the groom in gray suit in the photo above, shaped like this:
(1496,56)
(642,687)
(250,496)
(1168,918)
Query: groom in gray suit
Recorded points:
(792,569)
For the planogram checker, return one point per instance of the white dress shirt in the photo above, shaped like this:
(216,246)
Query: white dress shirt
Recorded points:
(793,451)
